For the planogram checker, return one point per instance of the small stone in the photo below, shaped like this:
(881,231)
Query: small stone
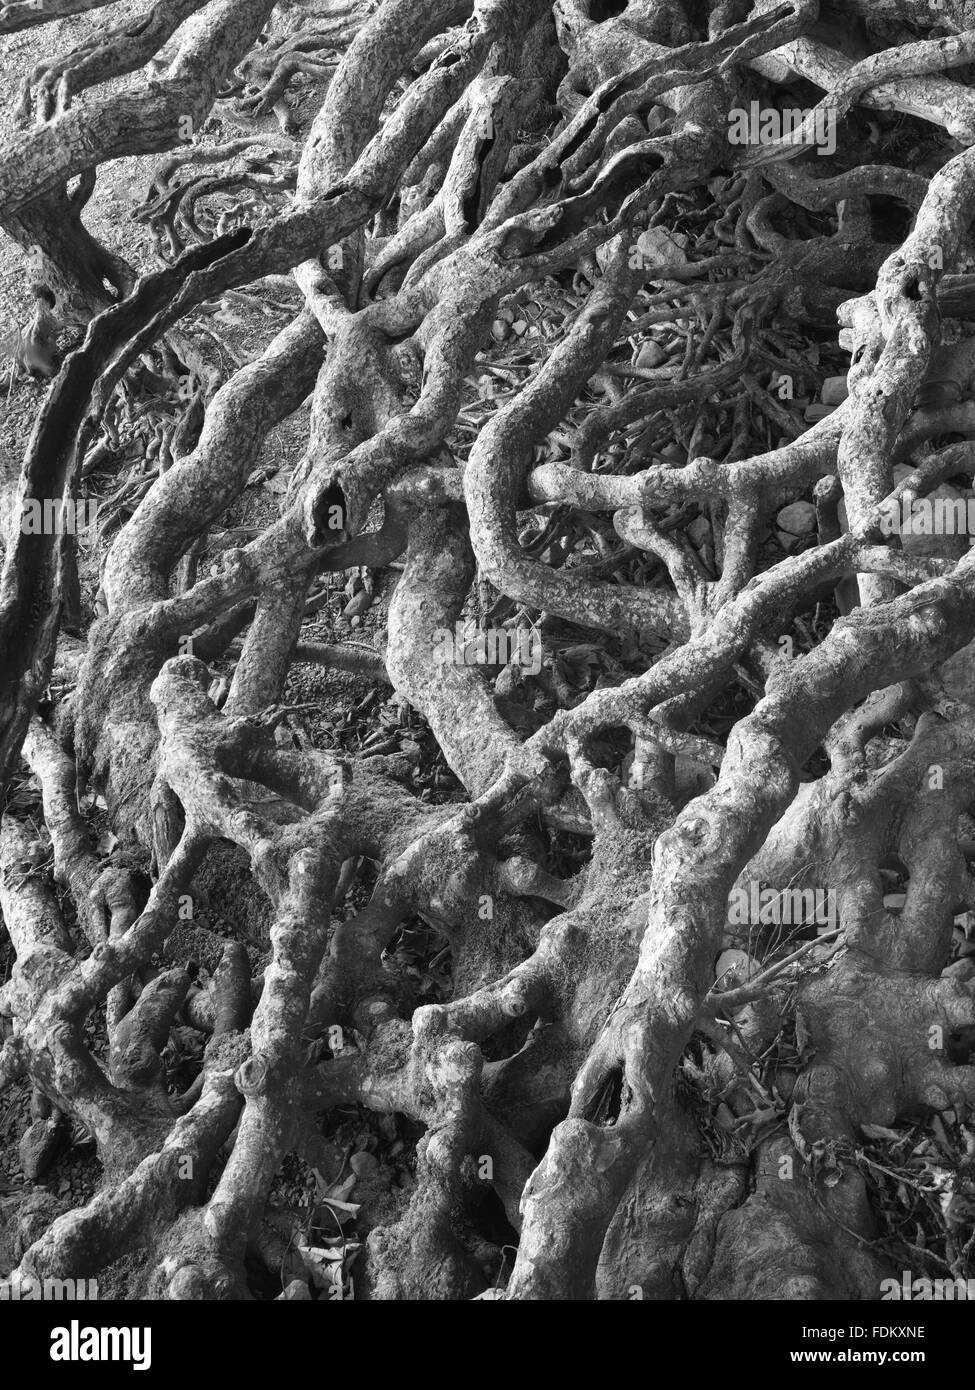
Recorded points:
(961,969)
(699,531)
(363,1164)
(358,604)
(798,518)
(835,390)
(958,674)
(658,247)
(951,540)
(734,968)
(650,355)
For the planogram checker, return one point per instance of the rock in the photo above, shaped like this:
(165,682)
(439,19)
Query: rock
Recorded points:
(735,967)
(39,1147)
(958,674)
(798,518)
(948,544)
(961,969)
(363,1164)
(358,604)
(699,531)
(650,355)
(658,247)
(657,118)
(835,390)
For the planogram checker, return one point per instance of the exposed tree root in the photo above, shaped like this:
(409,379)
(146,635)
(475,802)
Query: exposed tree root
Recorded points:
(578,443)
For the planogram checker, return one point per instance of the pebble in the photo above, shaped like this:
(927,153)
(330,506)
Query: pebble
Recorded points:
(699,531)
(958,674)
(735,967)
(798,518)
(650,355)
(835,390)
(363,1164)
